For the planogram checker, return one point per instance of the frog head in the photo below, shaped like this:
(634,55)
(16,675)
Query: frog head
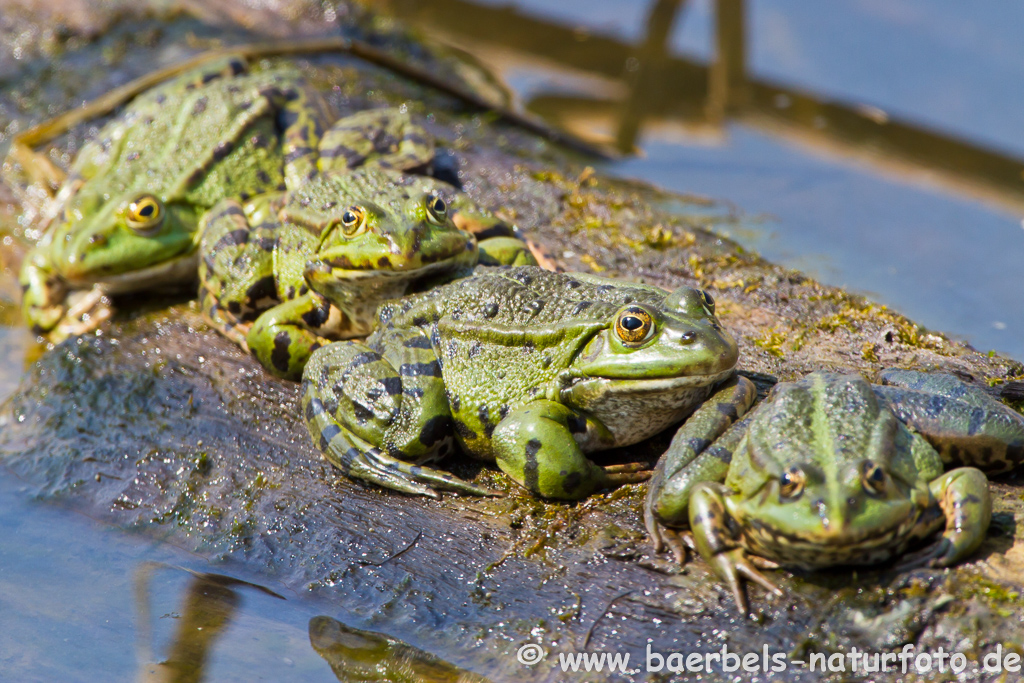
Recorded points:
(377,229)
(126,242)
(650,362)
(825,476)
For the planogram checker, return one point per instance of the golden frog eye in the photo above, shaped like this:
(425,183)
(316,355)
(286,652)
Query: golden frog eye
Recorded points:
(709,301)
(353,221)
(634,325)
(145,213)
(873,478)
(437,210)
(791,483)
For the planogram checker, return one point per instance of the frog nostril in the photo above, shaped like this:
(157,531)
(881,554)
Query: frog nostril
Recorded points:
(688,337)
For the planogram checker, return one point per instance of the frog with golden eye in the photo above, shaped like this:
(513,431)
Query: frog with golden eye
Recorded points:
(285,273)
(833,470)
(133,200)
(526,368)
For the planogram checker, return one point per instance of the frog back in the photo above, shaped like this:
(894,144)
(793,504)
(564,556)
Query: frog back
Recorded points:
(503,336)
(830,425)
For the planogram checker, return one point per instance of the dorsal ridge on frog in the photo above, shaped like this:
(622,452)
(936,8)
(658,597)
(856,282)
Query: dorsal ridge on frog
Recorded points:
(522,367)
(831,470)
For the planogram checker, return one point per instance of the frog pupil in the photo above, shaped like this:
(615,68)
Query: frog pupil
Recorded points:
(348,218)
(709,299)
(632,323)
(437,205)
(146,211)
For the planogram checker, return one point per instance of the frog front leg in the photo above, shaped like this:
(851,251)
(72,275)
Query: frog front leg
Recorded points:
(375,417)
(284,337)
(701,451)
(42,292)
(535,446)
(718,545)
(966,504)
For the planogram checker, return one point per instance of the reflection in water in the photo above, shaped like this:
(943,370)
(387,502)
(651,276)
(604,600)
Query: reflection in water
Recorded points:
(206,611)
(663,88)
(211,604)
(363,656)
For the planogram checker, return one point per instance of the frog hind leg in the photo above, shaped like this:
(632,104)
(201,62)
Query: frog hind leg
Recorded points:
(386,138)
(963,423)
(302,117)
(236,272)
(966,504)
(717,544)
(701,451)
(354,398)
(534,445)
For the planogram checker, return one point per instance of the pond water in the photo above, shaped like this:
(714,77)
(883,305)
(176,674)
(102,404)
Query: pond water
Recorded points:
(946,256)
(945,251)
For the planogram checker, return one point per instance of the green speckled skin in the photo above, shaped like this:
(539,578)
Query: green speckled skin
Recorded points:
(520,366)
(281,276)
(832,470)
(210,134)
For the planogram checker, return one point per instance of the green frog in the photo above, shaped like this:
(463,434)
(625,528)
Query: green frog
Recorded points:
(284,273)
(134,198)
(520,366)
(832,470)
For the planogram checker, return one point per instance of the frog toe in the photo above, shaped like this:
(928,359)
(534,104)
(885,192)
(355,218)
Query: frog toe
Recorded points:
(380,468)
(680,543)
(733,566)
(628,473)
(85,313)
(941,553)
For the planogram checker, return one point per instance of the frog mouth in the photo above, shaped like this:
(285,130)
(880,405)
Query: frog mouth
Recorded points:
(641,385)
(172,271)
(811,551)
(322,271)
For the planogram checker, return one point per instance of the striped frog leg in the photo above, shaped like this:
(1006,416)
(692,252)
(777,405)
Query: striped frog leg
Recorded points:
(963,423)
(376,413)
(719,545)
(536,447)
(964,505)
(383,137)
(701,451)
(236,272)
(283,337)
(304,115)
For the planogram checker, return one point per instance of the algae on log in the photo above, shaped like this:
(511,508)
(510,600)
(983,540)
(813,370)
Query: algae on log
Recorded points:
(161,426)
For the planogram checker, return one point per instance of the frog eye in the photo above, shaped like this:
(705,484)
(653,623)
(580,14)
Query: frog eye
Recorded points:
(353,221)
(437,210)
(634,325)
(873,478)
(791,483)
(144,214)
(708,300)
